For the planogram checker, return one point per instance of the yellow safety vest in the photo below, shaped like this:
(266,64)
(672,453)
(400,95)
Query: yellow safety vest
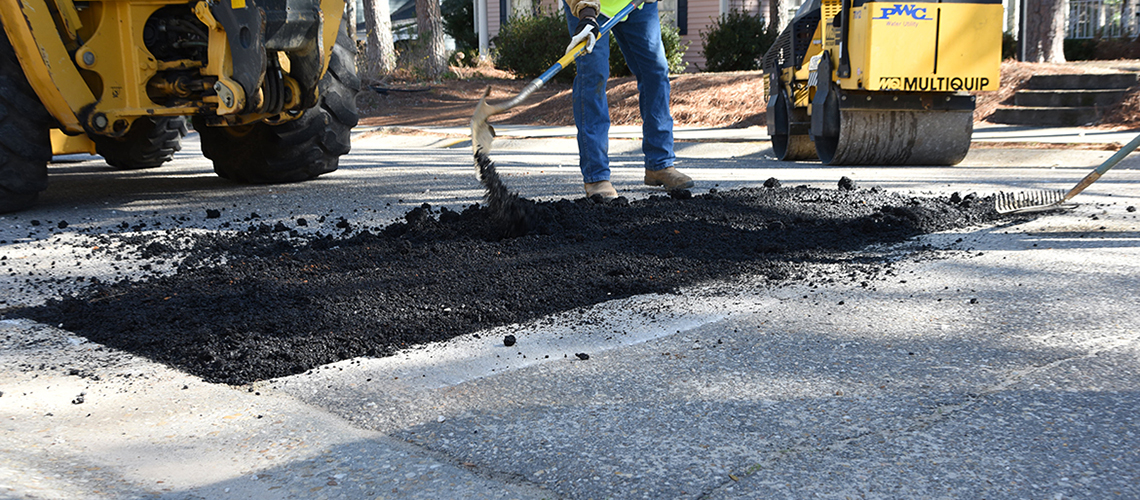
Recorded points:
(610,8)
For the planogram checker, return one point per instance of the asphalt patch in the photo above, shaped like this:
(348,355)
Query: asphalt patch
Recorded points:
(265,302)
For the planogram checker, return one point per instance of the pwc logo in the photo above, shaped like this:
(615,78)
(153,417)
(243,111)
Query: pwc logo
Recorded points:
(900,9)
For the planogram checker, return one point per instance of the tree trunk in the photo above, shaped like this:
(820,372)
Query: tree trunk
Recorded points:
(350,5)
(430,26)
(1045,30)
(1127,16)
(779,14)
(381,52)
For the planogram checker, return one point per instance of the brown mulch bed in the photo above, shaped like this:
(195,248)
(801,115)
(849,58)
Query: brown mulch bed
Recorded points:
(698,100)
(1014,75)
(702,99)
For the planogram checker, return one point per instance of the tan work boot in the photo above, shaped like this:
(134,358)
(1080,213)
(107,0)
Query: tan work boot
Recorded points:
(601,188)
(668,177)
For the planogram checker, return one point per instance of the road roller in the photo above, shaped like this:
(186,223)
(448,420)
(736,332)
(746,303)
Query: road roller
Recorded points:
(855,82)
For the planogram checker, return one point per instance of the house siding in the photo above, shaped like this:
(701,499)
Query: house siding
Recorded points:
(549,5)
(702,16)
(493,24)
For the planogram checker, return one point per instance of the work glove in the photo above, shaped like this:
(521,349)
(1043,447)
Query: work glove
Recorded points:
(587,30)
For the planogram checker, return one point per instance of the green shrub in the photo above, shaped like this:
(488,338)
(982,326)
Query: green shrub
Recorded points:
(736,41)
(1108,49)
(528,46)
(1008,46)
(468,58)
(1080,49)
(459,23)
(1101,49)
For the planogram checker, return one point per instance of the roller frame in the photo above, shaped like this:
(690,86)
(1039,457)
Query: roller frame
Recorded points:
(851,124)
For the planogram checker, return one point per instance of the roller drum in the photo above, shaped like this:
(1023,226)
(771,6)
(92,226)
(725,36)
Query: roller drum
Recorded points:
(787,144)
(898,137)
(793,147)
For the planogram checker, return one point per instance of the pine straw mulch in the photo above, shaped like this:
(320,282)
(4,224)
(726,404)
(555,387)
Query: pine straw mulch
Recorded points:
(1015,74)
(698,100)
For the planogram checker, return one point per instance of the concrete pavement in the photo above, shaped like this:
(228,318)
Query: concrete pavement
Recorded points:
(983,132)
(1004,364)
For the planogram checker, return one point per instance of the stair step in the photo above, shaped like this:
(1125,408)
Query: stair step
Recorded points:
(1087,81)
(1057,117)
(1068,98)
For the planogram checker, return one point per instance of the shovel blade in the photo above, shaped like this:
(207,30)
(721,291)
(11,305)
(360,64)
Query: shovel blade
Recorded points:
(482,133)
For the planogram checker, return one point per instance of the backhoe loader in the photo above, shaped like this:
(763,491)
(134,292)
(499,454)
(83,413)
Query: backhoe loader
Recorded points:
(854,82)
(269,85)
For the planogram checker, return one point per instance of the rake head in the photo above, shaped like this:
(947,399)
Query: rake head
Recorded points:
(1034,201)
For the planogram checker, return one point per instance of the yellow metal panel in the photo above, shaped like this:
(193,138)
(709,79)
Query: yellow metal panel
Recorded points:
(925,47)
(969,42)
(69,15)
(333,12)
(63,144)
(220,63)
(116,52)
(827,11)
(45,60)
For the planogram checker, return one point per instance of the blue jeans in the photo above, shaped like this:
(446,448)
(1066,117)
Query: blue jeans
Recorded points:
(639,38)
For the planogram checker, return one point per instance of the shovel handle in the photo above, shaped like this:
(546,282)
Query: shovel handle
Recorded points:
(564,61)
(577,50)
(484,110)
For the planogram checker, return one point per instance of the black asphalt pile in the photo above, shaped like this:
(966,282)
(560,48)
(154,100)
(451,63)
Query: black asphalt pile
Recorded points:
(512,216)
(256,304)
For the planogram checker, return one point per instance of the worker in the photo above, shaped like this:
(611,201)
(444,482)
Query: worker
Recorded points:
(639,37)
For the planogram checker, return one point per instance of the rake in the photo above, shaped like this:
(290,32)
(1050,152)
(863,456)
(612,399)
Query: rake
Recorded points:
(1040,201)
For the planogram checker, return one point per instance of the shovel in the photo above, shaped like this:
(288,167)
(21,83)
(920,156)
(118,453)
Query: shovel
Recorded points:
(1017,203)
(481,132)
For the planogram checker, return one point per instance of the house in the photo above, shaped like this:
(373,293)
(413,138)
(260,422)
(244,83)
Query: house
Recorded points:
(691,17)
(402,12)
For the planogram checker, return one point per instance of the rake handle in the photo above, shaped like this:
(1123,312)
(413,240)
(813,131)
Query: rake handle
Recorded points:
(1109,163)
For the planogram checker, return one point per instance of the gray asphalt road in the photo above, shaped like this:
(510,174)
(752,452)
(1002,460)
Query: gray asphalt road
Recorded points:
(1004,365)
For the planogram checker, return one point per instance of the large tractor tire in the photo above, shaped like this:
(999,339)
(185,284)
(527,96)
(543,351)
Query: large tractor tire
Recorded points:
(150,143)
(297,150)
(25,140)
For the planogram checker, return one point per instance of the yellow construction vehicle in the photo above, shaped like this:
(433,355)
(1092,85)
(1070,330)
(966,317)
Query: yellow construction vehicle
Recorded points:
(270,86)
(856,82)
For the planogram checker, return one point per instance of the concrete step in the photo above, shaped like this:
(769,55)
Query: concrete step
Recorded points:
(1068,98)
(1086,82)
(1046,116)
